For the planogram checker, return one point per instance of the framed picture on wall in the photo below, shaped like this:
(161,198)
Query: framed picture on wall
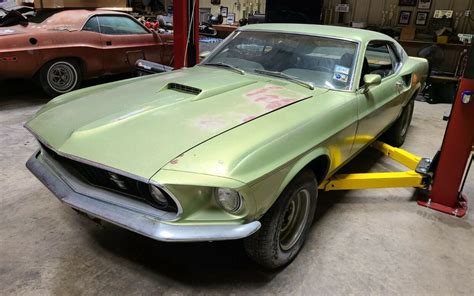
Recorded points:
(404,18)
(424,4)
(230,18)
(421,18)
(407,2)
(224,11)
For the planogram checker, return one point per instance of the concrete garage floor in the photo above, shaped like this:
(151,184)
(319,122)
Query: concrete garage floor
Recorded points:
(362,242)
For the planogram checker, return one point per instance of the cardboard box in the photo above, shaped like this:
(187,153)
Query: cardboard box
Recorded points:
(80,3)
(442,39)
(408,33)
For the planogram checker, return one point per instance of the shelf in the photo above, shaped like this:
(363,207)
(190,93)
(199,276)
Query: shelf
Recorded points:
(429,42)
(445,78)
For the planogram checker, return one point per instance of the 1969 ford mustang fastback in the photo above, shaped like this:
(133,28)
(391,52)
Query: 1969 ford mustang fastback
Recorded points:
(234,147)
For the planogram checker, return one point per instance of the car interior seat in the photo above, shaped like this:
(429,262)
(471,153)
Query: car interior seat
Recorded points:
(365,71)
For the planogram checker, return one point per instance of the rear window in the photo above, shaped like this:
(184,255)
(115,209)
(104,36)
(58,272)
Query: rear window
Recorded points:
(92,25)
(120,25)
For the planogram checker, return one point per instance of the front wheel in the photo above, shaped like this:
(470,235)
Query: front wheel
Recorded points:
(60,76)
(286,224)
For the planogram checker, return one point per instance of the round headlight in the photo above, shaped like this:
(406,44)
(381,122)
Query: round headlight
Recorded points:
(228,199)
(158,196)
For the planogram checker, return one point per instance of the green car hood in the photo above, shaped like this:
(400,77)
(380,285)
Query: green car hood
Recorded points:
(139,125)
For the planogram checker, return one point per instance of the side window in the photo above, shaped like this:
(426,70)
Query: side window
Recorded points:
(380,59)
(396,60)
(120,25)
(92,25)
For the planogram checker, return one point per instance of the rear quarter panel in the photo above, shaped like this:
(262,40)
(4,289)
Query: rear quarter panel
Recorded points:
(83,45)
(418,68)
(50,45)
(18,57)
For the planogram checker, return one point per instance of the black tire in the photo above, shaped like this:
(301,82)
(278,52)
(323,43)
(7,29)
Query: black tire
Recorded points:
(277,242)
(60,76)
(397,133)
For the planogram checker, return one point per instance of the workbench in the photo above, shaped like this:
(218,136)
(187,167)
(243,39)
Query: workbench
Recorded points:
(224,30)
(451,51)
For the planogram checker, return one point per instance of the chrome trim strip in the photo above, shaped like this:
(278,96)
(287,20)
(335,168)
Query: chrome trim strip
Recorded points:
(178,204)
(135,221)
(103,194)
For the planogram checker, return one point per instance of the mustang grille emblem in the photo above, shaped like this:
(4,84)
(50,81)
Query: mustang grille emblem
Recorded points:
(119,182)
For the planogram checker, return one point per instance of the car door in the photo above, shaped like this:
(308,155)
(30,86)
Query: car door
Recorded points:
(90,34)
(381,104)
(124,41)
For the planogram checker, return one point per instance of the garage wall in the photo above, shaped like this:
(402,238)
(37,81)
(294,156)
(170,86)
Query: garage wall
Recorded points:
(233,7)
(386,12)
(9,3)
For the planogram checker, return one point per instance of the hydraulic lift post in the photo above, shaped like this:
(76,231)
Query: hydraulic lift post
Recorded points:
(446,195)
(186,33)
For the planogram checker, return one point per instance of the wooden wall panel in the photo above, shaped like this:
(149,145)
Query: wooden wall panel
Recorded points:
(386,12)
(233,7)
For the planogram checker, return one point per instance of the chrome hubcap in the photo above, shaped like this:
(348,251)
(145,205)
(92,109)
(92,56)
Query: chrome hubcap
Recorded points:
(294,219)
(62,77)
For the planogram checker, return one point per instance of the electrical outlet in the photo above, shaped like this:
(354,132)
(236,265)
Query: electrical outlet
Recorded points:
(467,13)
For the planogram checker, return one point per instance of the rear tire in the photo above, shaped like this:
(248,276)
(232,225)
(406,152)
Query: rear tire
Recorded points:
(286,225)
(60,76)
(396,135)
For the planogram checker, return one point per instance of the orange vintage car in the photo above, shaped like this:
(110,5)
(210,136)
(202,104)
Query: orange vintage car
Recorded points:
(61,48)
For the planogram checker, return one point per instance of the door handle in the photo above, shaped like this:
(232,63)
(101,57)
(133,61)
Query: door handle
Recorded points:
(108,43)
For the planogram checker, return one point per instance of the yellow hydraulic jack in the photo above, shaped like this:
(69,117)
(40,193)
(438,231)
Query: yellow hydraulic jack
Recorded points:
(418,175)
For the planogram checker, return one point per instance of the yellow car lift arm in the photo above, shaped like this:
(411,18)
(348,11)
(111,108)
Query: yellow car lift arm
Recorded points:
(417,176)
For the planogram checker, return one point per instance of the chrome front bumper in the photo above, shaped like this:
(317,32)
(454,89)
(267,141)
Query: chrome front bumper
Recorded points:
(129,217)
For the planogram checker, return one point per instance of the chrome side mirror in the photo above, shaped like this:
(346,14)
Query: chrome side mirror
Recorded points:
(370,79)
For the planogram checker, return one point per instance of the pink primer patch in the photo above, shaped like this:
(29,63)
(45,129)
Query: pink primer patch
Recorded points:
(264,90)
(279,103)
(211,123)
(270,100)
(248,118)
(174,161)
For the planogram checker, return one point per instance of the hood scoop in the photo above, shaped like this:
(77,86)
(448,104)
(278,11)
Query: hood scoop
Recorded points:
(184,88)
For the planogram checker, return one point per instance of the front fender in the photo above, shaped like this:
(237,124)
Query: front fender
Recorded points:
(196,196)
(264,189)
(303,162)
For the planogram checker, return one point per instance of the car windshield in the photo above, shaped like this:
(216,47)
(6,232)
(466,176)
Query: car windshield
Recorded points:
(319,61)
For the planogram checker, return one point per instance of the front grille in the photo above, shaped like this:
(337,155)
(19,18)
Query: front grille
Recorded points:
(184,88)
(105,179)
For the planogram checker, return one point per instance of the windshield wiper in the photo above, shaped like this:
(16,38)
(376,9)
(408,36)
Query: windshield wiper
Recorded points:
(285,76)
(220,64)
